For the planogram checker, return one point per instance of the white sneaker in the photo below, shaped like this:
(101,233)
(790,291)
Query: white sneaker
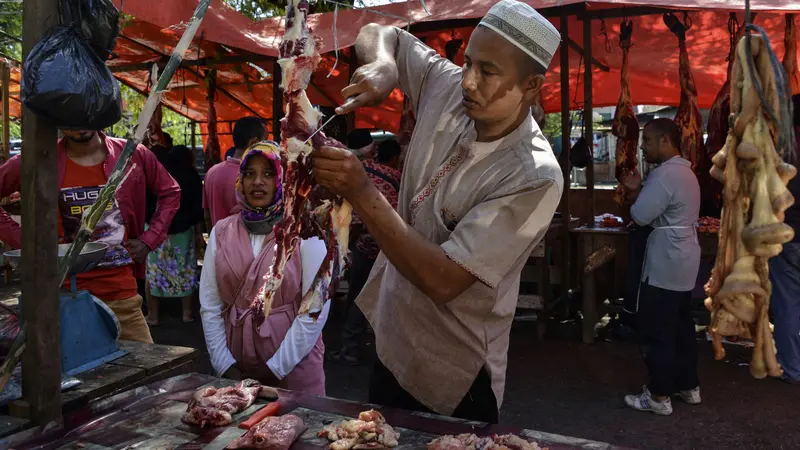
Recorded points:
(691,397)
(645,402)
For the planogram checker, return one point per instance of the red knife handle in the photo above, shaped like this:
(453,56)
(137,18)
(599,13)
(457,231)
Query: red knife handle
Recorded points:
(270,410)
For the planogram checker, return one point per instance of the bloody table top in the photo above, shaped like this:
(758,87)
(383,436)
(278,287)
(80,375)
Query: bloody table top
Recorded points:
(150,417)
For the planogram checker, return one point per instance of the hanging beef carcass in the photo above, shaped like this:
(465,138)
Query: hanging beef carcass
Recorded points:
(625,126)
(688,118)
(721,109)
(308,210)
(790,56)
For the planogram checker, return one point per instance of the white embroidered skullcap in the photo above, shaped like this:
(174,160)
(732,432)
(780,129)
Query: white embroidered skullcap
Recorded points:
(524,27)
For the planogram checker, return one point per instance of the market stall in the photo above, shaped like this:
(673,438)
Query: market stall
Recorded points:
(150,417)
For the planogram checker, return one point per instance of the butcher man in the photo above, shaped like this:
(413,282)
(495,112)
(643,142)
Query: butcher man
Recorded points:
(665,210)
(478,192)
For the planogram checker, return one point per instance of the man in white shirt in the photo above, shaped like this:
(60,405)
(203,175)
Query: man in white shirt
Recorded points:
(479,189)
(666,209)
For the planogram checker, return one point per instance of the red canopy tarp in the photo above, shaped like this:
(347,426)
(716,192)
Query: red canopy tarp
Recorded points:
(245,90)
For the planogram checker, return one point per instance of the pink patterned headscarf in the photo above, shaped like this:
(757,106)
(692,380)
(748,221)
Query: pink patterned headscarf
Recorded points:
(260,220)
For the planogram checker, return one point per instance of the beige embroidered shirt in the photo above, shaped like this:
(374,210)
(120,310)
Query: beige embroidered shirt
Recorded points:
(487,205)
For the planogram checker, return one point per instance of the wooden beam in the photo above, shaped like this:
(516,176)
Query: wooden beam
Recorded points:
(621,13)
(588,112)
(204,62)
(574,45)
(13,60)
(41,363)
(442,25)
(194,137)
(196,73)
(10,36)
(566,128)
(5,133)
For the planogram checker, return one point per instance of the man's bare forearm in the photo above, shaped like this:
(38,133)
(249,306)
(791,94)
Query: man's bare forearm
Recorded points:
(376,42)
(423,263)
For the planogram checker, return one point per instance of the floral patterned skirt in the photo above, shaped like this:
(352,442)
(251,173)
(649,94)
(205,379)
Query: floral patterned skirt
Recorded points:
(172,267)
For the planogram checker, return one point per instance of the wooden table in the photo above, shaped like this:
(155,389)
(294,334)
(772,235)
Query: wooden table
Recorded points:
(144,364)
(150,417)
(538,269)
(600,245)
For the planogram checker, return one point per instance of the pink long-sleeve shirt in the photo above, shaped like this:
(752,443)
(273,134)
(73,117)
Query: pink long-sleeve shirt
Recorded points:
(148,174)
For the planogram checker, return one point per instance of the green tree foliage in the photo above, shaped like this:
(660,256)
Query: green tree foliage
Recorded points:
(11,23)
(178,126)
(260,9)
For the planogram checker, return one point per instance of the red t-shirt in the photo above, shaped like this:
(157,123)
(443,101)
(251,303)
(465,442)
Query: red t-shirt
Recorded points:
(113,278)
(219,189)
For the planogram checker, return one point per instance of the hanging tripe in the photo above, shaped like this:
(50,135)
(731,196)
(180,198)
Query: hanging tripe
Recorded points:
(308,211)
(755,198)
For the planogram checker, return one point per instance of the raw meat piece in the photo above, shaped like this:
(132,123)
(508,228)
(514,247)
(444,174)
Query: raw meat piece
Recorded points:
(790,56)
(473,442)
(212,406)
(688,118)
(304,214)
(369,431)
(154,134)
(273,433)
(625,126)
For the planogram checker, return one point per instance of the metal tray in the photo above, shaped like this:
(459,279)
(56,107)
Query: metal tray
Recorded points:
(91,254)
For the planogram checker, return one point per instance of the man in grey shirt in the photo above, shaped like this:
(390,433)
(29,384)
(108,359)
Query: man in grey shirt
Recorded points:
(665,209)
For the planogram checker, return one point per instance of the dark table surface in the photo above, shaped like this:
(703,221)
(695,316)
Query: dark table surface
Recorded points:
(150,417)
(144,364)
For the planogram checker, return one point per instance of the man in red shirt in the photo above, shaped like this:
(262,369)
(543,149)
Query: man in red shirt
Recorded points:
(219,186)
(85,160)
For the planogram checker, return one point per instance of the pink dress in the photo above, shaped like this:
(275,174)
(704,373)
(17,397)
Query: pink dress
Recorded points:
(239,278)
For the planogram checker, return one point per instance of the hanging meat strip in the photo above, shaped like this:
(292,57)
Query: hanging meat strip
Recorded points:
(307,210)
(625,126)
(154,134)
(721,109)
(790,57)
(212,142)
(688,118)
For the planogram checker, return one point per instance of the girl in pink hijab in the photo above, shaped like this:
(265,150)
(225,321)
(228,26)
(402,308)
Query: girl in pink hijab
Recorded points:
(283,348)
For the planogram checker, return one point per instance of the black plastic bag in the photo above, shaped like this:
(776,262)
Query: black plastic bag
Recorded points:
(580,154)
(65,81)
(97,21)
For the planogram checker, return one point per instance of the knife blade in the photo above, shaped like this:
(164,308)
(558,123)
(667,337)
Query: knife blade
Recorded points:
(320,128)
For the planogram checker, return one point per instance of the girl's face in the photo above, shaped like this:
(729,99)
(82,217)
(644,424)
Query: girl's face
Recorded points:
(259,182)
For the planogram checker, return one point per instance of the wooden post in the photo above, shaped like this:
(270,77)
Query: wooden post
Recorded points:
(588,112)
(194,137)
(277,103)
(5,73)
(41,363)
(564,160)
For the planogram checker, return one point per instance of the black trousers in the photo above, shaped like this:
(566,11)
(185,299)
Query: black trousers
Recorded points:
(355,323)
(667,338)
(479,404)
